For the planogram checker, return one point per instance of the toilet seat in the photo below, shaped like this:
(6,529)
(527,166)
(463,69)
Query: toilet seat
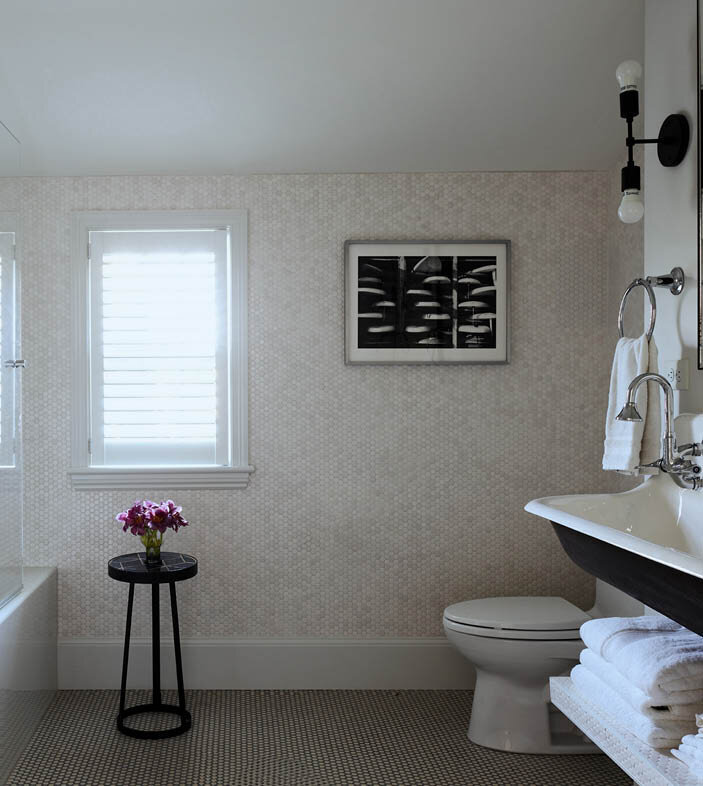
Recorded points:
(536,618)
(512,635)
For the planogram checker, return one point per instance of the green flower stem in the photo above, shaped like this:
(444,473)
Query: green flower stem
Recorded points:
(152,540)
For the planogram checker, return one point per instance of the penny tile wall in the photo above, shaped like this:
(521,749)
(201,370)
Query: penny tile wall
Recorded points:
(381,494)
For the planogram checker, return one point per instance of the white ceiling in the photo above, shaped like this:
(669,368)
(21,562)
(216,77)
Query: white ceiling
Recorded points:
(215,86)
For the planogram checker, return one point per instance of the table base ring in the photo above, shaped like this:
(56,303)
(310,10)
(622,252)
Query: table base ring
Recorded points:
(158,734)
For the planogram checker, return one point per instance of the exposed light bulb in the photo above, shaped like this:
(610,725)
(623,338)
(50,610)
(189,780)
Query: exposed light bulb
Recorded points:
(631,207)
(628,74)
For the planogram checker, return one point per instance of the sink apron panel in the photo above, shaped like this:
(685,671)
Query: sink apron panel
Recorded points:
(672,592)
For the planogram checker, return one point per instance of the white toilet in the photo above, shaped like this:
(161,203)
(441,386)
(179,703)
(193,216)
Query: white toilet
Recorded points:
(516,644)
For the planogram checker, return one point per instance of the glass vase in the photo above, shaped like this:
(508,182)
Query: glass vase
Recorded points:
(153,555)
(152,544)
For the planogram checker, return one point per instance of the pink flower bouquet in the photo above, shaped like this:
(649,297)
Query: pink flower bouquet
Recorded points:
(150,520)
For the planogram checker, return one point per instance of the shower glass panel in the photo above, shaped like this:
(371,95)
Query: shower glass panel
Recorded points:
(10,423)
(11,474)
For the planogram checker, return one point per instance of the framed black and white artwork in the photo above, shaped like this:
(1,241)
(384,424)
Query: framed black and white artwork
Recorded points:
(418,302)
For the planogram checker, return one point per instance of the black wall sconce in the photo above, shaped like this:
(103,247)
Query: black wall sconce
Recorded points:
(672,142)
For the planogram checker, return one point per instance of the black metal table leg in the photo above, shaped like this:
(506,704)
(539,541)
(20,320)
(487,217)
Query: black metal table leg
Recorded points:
(125,654)
(155,644)
(185,715)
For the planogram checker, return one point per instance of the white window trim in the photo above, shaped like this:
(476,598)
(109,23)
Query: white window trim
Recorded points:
(85,477)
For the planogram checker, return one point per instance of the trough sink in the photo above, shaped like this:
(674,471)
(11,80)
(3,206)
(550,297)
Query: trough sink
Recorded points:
(647,542)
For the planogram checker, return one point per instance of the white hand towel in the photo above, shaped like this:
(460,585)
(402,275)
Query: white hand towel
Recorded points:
(597,634)
(651,449)
(623,441)
(658,734)
(658,660)
(661,705)
(694,764)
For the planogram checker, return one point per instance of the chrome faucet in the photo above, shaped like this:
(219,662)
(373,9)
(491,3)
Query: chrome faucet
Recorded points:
(673,461)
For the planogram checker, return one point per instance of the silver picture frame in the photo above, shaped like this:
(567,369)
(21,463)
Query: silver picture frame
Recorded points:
(426,302)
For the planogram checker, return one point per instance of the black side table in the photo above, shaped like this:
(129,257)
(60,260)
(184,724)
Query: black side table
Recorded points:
(132,568)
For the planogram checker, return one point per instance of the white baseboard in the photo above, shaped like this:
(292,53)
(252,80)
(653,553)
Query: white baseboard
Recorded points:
(227,664)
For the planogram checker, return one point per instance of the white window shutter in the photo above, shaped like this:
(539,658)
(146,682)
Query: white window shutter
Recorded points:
(159,348)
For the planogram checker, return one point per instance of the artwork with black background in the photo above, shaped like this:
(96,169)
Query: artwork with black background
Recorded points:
(448,305)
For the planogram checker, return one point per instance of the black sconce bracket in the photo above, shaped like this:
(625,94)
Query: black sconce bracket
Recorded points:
(673,139)
(672,144)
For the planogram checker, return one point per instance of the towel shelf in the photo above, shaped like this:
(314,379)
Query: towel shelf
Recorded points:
(655,767)
(673,281)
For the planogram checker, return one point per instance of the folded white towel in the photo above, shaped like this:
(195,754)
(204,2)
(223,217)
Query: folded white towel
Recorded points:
(657,733)
(604,634)
(662,705)
(657,659)
(623,441)
(651,449)
(694,764)
(694,743)
(691,753)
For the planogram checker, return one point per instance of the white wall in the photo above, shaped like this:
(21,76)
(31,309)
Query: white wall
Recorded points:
(671,222)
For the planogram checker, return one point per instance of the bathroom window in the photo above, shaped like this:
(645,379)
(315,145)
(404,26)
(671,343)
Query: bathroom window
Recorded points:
(160,363)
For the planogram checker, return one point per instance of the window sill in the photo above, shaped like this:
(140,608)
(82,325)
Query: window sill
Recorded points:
(106,478)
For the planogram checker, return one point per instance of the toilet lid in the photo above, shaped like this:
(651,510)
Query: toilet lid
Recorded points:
(518,613)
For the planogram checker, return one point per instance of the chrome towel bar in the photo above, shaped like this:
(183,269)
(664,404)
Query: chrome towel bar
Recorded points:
(673,281)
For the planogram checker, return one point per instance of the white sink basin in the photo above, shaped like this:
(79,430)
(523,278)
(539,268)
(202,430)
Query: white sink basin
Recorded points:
(647,542)
(657,520)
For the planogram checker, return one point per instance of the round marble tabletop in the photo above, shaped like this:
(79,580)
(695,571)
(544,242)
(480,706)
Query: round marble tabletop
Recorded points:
(133,568)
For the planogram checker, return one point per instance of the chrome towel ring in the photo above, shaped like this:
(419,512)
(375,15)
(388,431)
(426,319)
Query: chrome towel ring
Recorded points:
(638,282)
(673,281)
